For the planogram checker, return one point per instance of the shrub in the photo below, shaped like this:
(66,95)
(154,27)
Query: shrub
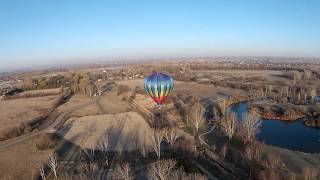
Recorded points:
(46,141)
(123,89)
(15,131)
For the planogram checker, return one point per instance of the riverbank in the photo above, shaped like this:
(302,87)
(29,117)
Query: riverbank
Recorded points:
(292,135)
(312,123)
(270,110)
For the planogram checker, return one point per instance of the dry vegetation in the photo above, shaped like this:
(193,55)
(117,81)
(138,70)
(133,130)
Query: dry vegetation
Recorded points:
(74,101)
(108,140)
(13,112)
(36,119)
(23,160)
(126,131)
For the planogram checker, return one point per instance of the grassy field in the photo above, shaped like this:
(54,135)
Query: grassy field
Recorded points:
(123,131)
(108,103)
(22,161)
(90,110)
(112,103)
(294,160)
(15,111)
(74,101)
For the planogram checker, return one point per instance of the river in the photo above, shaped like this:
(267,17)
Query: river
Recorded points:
(292,135)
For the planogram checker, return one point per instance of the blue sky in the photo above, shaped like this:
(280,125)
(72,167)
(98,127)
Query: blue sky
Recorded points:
(38,32)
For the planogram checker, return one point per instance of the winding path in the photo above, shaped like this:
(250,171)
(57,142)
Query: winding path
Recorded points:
(210,131)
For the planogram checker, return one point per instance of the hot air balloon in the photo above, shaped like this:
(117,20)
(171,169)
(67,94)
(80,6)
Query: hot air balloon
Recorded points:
(158,86)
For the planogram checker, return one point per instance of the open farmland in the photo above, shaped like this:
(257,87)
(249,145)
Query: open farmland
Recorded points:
(270,75)
(245,73)
(16,111)
(201,90)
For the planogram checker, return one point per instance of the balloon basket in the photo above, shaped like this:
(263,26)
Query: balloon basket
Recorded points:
(159,106)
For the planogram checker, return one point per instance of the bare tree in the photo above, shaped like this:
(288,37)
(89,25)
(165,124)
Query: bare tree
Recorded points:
(171,136)
(313,94)
(224,150)
(42,173)
(309,173)
(229,125)
(103,147)
(272,163)
(253,152)
(89,153)
(143,146)
(161,170)
(293,176)
(28,82)
(181,174)
(222,106)
(297,76)
(196,115)
(249,127)
(157,138)
(270,87)
(123,172)
(53,164)
(307,74)
(91,171)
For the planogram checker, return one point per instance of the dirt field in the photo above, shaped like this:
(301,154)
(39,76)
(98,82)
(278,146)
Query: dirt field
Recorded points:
(75,101)
(123,131)
(112,103)
(90,110)
(131,83)
(15,111)
(22,161)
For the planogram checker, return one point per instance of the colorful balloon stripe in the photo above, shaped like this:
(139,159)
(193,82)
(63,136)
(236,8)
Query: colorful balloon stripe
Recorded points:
(158,86)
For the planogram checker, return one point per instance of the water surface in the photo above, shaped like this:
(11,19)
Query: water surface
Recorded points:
(292,135)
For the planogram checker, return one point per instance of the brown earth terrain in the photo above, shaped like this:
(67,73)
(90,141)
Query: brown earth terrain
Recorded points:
(22,161)
(16,111)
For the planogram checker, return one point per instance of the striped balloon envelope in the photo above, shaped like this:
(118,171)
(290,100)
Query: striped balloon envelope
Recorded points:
(158,86)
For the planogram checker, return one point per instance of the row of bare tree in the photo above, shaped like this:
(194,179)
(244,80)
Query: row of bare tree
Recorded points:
(297,95)
(247,128)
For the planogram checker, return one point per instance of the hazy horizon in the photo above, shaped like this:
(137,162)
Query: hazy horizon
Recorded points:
(57,33)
